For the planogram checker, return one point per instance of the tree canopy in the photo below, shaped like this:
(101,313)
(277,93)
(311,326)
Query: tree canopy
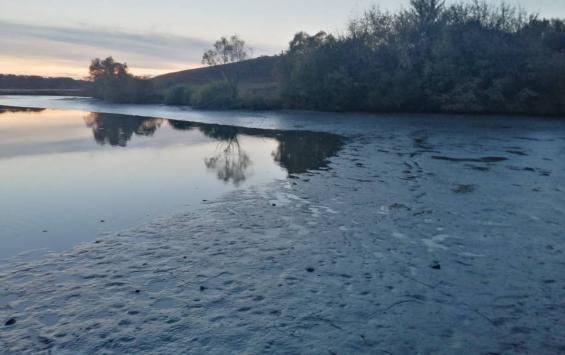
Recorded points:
(469,57)
(227,50)
(112,81)
(466,57)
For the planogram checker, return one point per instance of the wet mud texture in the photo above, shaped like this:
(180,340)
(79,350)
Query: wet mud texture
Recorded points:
(389,251)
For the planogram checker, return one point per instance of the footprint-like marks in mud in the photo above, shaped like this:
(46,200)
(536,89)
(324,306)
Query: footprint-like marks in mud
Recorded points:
(478,167)
(464,189)
(541,172)
(412,171)
(517,152)
(470,160)
(420,140)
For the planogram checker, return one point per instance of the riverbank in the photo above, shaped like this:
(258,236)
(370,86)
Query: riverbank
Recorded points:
(424,235)
(45,92)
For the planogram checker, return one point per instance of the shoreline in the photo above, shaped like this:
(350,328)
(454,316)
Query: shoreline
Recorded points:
(463,114)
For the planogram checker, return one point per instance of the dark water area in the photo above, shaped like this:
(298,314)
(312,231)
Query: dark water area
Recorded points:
(67,176)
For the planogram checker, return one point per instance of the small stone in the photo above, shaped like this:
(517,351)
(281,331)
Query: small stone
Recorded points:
(10,322)
(45,340)
(274,205)
(44,231)
(137,291)
(310,269)
(102,221)
(436,265)
(202,288)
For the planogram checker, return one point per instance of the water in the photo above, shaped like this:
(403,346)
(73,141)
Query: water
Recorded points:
(67,176)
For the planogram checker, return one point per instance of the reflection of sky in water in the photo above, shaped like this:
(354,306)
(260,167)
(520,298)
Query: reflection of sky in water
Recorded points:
(64,172)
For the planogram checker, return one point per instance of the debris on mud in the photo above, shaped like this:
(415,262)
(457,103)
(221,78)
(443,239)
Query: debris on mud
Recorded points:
(464,189)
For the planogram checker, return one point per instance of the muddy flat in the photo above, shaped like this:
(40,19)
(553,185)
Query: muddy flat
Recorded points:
(422,234)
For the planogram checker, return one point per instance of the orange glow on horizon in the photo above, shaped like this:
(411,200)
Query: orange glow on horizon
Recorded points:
(60,68)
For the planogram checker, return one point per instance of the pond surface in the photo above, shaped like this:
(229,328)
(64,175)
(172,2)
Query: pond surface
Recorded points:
(66,176)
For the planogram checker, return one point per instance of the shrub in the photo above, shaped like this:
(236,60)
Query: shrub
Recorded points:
(179,95)
(219,94)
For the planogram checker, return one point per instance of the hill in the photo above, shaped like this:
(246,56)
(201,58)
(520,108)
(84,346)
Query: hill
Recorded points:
(257,76)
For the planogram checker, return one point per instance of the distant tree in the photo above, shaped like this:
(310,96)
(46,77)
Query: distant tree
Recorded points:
(112,81)
(32,82)
(228,51)
(426,12)
(107,68)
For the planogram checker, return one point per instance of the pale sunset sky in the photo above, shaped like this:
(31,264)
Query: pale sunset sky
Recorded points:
(60,37)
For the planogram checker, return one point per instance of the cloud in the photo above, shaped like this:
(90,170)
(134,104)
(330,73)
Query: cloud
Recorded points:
(146,53)
(150,45)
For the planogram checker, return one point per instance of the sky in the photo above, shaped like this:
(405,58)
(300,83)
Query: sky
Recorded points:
(60,37)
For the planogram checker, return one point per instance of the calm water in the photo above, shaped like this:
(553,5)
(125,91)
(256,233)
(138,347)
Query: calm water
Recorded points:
(67,176)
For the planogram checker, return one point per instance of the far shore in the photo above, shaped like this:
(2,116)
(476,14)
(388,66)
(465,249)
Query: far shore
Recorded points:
(82,94)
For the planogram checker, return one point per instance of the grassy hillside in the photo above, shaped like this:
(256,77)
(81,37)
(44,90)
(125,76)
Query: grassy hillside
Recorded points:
(257,76)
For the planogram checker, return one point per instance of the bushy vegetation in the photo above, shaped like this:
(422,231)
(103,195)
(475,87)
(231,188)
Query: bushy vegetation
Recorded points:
(179,95)
(432,58)
(112,81)
(219,94)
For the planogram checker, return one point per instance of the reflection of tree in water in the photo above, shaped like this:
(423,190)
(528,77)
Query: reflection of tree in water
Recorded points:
(231,163)
(117,130)
(182,125)
(298,152)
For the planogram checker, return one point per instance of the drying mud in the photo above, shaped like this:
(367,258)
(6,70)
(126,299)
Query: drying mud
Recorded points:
(417,238)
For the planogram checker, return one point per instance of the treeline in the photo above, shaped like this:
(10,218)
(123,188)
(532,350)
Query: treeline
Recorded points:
(32,82)
(468,57)
(431,57)
(112,81)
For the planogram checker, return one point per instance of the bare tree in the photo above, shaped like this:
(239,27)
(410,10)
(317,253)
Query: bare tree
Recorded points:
(227,50)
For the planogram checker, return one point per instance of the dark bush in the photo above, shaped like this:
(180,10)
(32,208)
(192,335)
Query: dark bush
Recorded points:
(179,95)
(219,94)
